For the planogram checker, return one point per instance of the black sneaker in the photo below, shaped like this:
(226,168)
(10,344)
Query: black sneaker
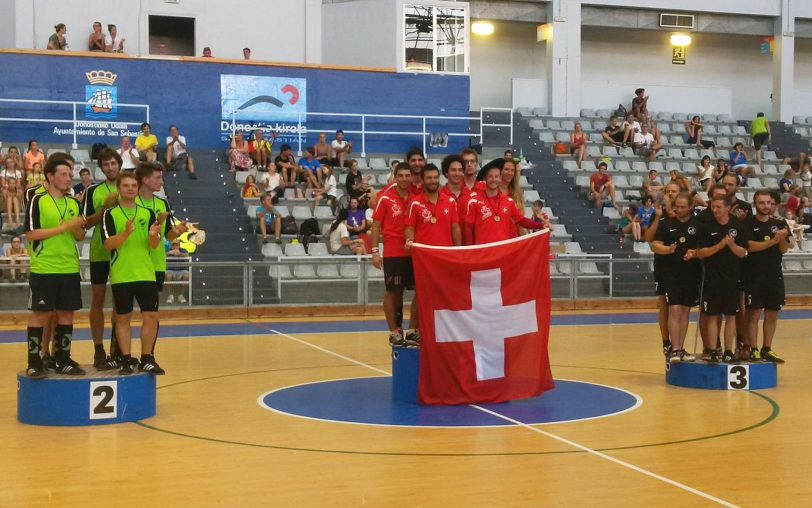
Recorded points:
(126,369)
(149,365)
(36,372)
(49,362)
(108,363)
(412,339)
(706,354)
(728,357)
(714,356)
(69,368)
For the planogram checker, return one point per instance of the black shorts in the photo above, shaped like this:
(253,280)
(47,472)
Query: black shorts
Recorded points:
(54,291)
(720,297)
(398,273)
(160,277)
(759,140)
(681,291)
(617,137)
(765,294)
(99,272)
(144,292)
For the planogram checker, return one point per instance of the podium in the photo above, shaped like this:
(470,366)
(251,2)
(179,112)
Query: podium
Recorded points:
(405,370)
(722,376)
(97,398)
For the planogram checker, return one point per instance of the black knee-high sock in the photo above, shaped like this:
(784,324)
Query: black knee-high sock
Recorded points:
(399,315)
(34,344)
(113,342)
(64,337)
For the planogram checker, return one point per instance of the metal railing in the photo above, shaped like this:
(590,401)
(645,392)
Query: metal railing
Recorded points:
(351,280)
(74,121)
(423,132)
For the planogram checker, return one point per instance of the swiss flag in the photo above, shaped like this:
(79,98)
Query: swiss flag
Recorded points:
(484,320)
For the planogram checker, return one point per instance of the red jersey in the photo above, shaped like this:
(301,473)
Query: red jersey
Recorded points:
(413,189)
(432,222)
(599,180)
(493,218)
(461,200)
(390,212)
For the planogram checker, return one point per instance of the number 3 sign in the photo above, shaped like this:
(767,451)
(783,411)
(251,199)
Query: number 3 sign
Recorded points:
(103,400)
(738,377)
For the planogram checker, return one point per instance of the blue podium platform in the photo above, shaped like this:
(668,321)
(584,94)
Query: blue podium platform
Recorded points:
(405,370)
(98,398)
(722,376)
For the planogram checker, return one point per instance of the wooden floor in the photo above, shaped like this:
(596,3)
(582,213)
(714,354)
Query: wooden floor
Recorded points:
(212,444)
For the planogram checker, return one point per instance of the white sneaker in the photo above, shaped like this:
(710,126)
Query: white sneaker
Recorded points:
(170,299)
(181,299)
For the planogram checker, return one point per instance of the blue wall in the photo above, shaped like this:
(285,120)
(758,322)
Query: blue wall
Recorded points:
(194,96)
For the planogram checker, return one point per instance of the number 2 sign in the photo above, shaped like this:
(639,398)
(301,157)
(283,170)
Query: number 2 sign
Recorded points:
(103,400)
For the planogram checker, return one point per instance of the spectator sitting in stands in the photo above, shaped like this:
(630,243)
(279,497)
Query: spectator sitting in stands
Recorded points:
(323,150)
(11,181)
(640,103)
(738,161)
(238,158)
(653,187)
(113,42)
(96,40)
(539,216)
(246,53)
(795,162)
(340,242)
(629,223)
(207,52)
(341,148)
(273,182)
(269,218)
(600,185)
(795,228)
(286,165)
(147,144)
(785,184)
(356,218)
(34,154)
(683,182)
(309,169)
(129,155)
(15,251)
(806,180)
(329,188)
(613,133)
(704,173)
(260,149)
(693,131)
(393,167)
(14,155)
(35,177)
(721,170)
(177,156)
(355,183)
(759,133)
(176,272)
(250,189)
(631,127)
(645,214)
(645,145)
(57,40)
(85,181)
(578,144)
(792,202)
(805,211)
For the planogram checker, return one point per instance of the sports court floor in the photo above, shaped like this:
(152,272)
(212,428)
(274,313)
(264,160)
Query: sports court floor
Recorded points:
(250,414)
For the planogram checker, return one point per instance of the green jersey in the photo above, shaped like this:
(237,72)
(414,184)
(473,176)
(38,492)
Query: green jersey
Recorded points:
(57,254)
(95,195)
(34,191)
(158,206)
(131,262)
(758,126)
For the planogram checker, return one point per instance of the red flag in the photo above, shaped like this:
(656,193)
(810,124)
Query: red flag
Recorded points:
(484,320)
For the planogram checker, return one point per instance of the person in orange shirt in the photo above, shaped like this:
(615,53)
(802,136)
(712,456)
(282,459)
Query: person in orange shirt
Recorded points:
(32,156)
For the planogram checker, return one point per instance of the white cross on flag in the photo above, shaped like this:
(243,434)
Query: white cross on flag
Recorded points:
(484,321)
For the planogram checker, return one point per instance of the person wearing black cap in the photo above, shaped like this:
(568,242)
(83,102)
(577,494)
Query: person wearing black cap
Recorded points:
(600,185)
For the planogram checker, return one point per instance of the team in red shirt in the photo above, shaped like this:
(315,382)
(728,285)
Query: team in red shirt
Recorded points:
(414,209)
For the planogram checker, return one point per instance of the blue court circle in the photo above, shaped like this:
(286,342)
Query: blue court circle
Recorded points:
(368,401)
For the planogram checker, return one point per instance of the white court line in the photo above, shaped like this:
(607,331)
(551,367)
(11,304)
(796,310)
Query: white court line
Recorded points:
(534,429)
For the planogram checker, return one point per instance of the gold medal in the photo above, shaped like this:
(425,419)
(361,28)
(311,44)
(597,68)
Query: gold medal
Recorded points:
(766,238)
(682,239)
(497,218)
(434,220)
